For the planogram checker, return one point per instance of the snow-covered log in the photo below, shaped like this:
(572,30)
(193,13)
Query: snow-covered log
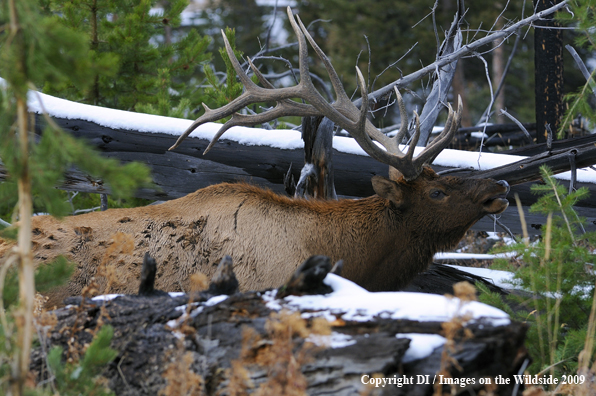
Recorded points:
(263,157)
(331,344)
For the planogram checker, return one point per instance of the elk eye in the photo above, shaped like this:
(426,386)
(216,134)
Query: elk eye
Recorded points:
(436,194)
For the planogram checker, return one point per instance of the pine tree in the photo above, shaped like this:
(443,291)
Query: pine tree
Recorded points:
(146,66)
(583,18)
(556,270)
(35,48)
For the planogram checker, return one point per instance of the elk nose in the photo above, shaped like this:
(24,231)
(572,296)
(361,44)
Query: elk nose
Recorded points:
(504,184)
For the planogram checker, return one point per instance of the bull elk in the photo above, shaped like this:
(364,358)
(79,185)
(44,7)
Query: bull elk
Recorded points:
(384,240)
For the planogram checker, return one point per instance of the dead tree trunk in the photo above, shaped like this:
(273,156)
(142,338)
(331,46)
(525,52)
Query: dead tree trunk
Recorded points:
(548,64)
(316,178)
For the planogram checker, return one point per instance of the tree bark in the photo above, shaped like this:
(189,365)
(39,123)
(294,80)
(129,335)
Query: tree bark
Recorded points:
(153,334)
(316,179)
(548,64)
(498,66)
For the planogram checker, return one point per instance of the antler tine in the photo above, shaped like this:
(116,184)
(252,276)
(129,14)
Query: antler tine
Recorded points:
(305,79)
(338,87)
(404,118)
(359,129)
(244,79)
(361,123)
(414,141)
(283,108)
(259,75)
(445,137)
(360,133)
(342,104)
(229,109)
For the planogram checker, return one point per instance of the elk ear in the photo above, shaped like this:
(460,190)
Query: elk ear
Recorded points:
(388,189)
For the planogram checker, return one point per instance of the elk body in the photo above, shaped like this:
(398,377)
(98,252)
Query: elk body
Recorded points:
(384,240)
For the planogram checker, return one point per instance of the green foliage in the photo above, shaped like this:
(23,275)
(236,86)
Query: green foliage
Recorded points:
(557,272)
(583,19)
(150,67)
(221,94)
(37,48)
(54,153)
(81,378)
(46,277)
(248,19)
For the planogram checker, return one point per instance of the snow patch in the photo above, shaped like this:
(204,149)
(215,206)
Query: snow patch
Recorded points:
(421,345)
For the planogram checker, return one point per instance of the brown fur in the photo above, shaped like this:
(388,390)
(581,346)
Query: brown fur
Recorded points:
(384,240)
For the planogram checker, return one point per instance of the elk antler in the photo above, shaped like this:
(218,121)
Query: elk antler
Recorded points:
(342,112)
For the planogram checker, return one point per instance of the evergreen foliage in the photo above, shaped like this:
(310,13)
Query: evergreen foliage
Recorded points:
(34,48)
(148,67)
(46,278)
(81,378)
(244,16)
(222,93)
(581,101)
(557,271)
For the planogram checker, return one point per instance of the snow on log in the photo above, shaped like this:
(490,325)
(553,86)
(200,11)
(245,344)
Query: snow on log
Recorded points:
(340,343)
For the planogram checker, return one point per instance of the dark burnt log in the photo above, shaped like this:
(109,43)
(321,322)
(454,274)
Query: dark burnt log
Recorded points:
(439,279)
(468,142)
(186,170)
(540,148)
(224,280)
(154,334)
(148,271)
(496,128)
(308,278)
(528,170)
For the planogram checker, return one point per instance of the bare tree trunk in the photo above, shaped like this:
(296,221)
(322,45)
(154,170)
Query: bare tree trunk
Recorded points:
(24,315)
(498,63)
(548,64)
(316,178)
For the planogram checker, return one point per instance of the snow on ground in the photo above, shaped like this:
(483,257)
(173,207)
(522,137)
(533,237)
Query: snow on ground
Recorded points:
(470,256)
(282,139)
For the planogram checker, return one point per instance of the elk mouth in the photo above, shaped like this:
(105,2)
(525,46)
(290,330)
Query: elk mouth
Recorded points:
(497,203)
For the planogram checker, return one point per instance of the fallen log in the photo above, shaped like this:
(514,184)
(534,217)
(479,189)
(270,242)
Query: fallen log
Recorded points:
(176,174)
(333,344)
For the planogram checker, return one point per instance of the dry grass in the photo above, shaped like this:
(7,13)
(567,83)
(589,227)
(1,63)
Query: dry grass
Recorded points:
(453,330)
(181,379)
(282,353)
(198,282)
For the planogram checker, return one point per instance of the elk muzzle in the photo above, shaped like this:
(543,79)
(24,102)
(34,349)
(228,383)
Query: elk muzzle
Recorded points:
(496,201)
